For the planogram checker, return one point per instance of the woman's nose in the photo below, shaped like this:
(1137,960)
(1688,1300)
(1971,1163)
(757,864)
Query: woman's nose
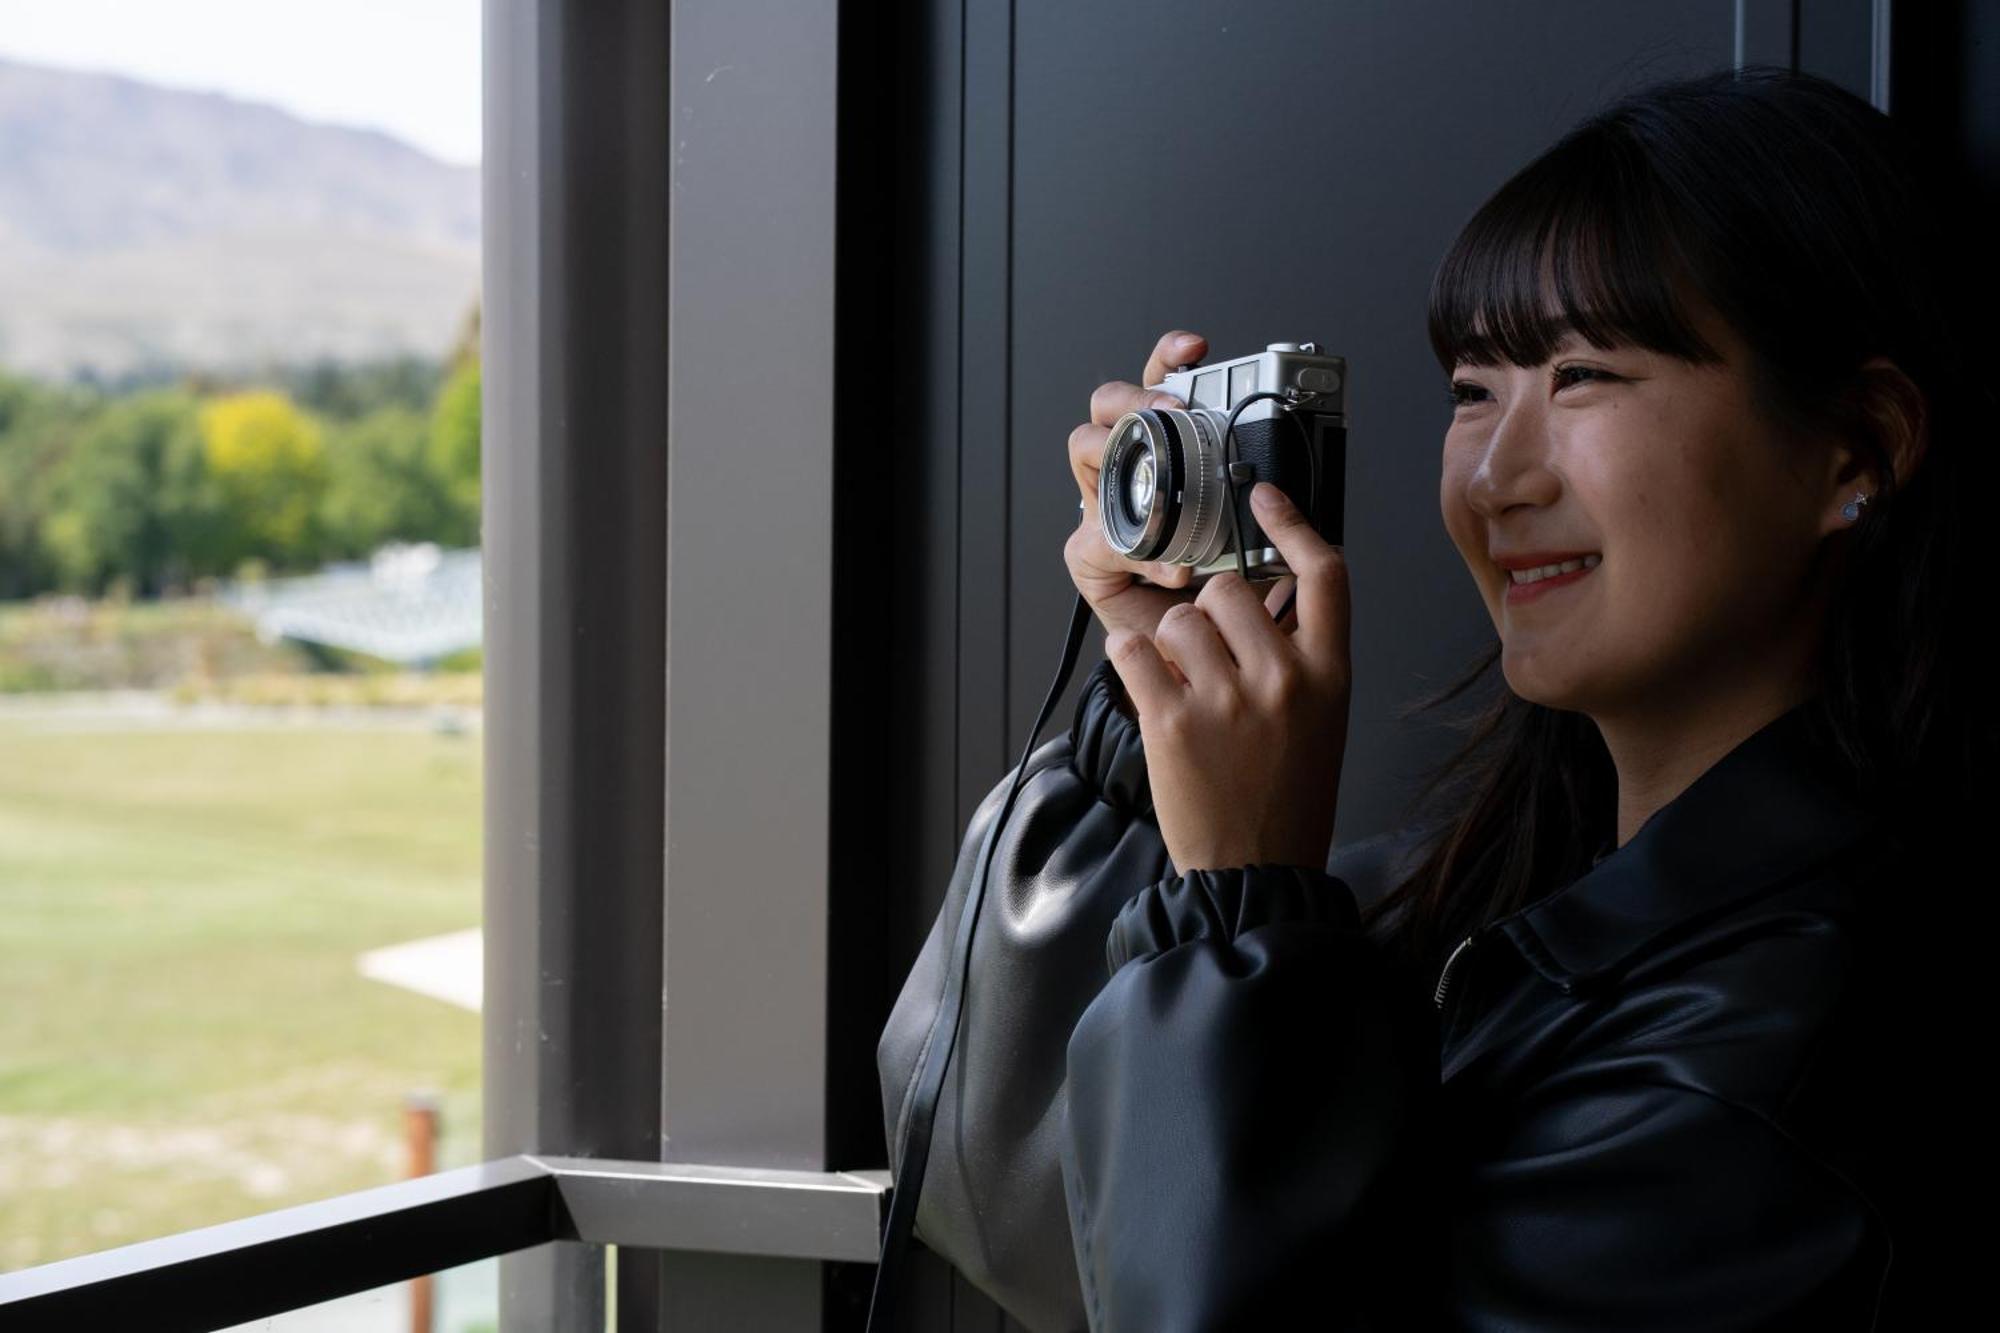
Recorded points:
(1513,464)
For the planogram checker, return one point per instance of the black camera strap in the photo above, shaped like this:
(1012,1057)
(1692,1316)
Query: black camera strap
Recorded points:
(908,1179)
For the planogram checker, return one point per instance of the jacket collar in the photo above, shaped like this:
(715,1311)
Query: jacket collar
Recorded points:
(1768,808)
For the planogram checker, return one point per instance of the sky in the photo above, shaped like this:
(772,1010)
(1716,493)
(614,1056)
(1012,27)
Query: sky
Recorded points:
(410,67)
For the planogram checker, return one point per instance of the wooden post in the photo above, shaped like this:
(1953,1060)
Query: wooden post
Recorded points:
(420,1129)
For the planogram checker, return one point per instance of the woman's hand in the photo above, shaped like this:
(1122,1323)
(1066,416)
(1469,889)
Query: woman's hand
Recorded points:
(1244,725)
(1107,580)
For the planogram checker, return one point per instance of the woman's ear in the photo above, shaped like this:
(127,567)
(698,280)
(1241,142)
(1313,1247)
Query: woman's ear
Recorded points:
(1893,412)
(1895,409)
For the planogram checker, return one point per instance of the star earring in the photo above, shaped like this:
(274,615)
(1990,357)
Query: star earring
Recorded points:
(1852,509)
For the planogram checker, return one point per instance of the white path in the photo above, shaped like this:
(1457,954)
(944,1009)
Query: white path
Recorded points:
(444,967)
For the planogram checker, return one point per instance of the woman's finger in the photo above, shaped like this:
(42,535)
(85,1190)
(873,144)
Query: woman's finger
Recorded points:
(1244,623)
(1149,679)
(1189,639)
(1176,348)
(1112,400)
(1281,605)
(1321,570)
(1086,456)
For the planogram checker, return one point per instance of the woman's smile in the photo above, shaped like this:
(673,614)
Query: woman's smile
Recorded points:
(1540,584)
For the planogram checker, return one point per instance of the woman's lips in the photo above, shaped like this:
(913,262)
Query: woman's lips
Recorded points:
(1528,592)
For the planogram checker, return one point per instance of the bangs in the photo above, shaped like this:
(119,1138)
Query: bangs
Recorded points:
(1582,238)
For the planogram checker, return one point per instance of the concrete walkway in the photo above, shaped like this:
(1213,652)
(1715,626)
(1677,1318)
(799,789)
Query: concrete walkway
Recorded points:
(444,967)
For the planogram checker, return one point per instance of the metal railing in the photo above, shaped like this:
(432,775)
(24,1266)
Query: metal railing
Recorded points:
(294,1257)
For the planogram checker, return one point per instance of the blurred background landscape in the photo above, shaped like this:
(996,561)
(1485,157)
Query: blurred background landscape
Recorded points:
(239,619)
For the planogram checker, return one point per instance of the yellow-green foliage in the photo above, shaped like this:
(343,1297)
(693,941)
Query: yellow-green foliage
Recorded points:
(270,465)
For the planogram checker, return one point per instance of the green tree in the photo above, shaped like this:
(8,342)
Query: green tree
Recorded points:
(40,425)
(127,496)
(34,437)
(454,452)
(268,463)
(380,484)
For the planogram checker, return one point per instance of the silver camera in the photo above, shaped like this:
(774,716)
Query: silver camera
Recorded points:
(1163,490)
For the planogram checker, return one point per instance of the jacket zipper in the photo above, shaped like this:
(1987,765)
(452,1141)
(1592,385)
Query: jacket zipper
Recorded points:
(1444,977)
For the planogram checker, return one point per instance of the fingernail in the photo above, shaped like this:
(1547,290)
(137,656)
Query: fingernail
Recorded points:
(1267,499)
(1187,340)
(1164,400)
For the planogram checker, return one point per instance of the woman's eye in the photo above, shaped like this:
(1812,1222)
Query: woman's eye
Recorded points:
(1465,391)
(1590,371)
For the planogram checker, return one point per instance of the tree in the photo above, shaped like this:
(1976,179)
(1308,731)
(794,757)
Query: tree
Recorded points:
(126,496)
(454,451)
(380,484)
(39,425)
(269,467)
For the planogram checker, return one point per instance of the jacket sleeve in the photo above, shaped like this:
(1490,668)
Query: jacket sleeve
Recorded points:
(1081,841)
(1250,1105)
(1255,1127)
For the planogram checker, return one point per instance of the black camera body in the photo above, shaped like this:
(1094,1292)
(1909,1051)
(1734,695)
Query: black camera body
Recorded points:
(1163,491)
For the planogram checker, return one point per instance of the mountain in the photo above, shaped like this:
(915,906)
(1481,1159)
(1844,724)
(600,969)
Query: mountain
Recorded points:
(144,227)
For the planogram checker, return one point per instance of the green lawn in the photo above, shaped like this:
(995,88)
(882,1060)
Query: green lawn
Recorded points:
(184,1038)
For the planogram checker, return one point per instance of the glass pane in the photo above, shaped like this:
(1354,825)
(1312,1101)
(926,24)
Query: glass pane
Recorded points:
(239,609)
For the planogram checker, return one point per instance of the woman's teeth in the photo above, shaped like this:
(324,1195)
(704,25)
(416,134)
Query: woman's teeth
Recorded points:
(1550,571)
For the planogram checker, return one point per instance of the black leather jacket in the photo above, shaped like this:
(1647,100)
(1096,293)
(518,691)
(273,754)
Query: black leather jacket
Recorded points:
(1673,1094)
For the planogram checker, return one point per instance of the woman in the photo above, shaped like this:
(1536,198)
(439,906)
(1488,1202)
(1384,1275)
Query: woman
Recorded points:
(1625,1028)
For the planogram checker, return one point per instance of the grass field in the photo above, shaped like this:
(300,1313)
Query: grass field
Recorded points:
(184,1038)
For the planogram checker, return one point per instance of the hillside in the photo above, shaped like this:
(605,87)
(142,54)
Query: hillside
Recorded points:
(142,227)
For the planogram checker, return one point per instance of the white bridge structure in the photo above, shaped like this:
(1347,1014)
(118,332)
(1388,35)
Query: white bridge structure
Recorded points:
(411,604)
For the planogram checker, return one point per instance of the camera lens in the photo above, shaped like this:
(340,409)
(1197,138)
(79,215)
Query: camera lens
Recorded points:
(1160,489)
(1136,483)
(1157,486)
(1139,490)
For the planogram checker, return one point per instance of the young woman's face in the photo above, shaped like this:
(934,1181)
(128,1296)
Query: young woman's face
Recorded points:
(1704,522)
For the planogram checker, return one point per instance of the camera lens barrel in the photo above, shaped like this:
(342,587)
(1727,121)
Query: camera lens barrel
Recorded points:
(1161,495)
(1143,479)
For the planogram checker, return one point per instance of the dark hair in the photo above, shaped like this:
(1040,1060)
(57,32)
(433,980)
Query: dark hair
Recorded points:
(1823,235)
